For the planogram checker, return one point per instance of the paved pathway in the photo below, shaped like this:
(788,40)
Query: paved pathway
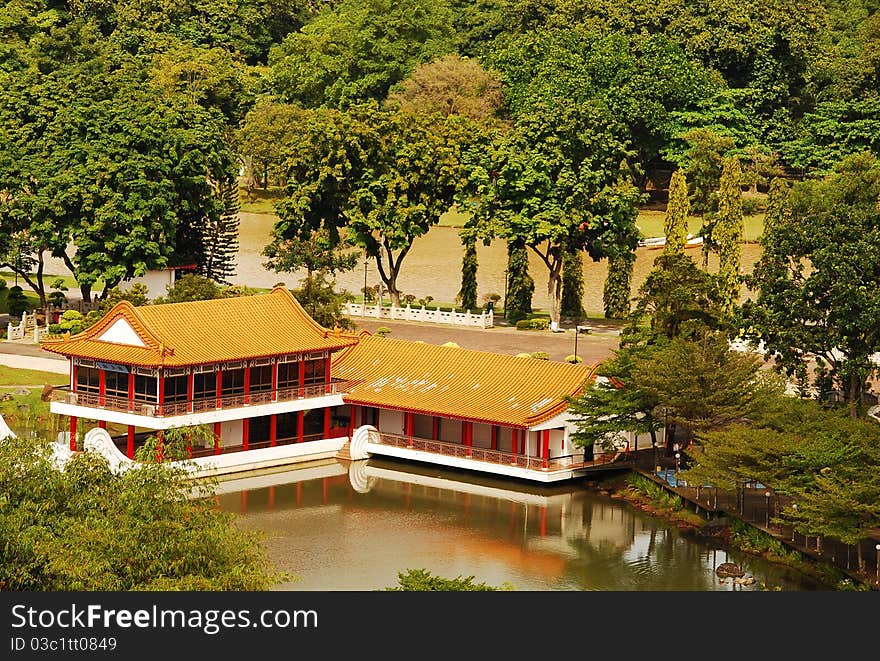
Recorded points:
(592,348)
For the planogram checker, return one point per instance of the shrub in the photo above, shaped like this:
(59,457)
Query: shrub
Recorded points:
(2,283)
(71,321)
(382,331)
(515,316)
(57,298)
(523,355)
(540,355)
(533,324)
(573,359)
(751,206)
(55,329)
(16,303)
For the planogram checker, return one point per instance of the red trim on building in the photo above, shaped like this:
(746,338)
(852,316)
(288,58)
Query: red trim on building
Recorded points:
(327,377)
(435,428)
(131,390)
(102,387)
(327,422)
(217,430)
(546,449)
(247,385)
(102,424)
(275,380)
(129,449)
(300,417)
(73,433)
(190,389)
(219,386)
(494,437)
(245,433)
(161,392)
(273,430)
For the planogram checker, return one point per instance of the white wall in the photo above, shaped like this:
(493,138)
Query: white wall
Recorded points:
(230,433)
(157,282)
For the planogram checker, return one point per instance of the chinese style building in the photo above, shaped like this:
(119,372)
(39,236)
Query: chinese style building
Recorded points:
(274,386)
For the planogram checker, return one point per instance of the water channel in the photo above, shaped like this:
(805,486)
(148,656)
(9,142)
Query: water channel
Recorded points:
(433,266)
(341,526)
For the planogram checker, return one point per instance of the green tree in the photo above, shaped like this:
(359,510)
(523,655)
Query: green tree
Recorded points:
(520,285)
(317,253)
(192,287)
(675,225)
(573,286)
(220,235)
(266,137)
(814,281)
(323,303)
(727,233)
(677,295)
(704,162)
(422,580)
(558,182)
(353,50)
(617,294)
(86,528)
(468,292)
(702,384)
(136,295)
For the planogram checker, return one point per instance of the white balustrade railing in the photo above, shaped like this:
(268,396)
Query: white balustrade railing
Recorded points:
(27,327)
(409,313)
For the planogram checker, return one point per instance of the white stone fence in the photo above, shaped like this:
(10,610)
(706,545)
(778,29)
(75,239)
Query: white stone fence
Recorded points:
(409,313)
(27,327)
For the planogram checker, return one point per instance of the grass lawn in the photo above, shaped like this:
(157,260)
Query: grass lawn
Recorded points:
(651,224)
(19,377)
(259,200)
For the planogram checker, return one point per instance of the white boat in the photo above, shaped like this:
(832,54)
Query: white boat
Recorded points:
(656,242)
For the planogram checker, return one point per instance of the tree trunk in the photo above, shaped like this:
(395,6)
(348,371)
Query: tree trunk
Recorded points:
(554,286)
(854,392)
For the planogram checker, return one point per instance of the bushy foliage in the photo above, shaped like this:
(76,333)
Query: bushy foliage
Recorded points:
(85,528)
(422,580)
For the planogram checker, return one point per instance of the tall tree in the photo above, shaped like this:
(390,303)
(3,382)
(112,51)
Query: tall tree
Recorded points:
(815,281)
(520,285)
(675,224)
(467,294)
(573,286)
(220,235)
(617,294)
(727,233)
(558,182)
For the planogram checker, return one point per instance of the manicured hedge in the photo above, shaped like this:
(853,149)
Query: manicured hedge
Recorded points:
(533,324)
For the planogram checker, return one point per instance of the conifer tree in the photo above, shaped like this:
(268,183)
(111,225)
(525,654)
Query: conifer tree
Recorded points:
(520,285)
(728,232)
(618,283)
(675,225)
(573,286)
(468,292)
(220,236)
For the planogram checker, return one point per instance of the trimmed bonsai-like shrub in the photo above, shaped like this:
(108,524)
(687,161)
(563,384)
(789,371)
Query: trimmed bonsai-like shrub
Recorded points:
(541,355)
(382,331)
(573,359)
(533,324)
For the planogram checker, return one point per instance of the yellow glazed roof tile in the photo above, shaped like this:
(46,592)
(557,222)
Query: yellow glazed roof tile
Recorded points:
(458,383)
(200,332)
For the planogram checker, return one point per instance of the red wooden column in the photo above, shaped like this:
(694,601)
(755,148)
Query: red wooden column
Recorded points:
(217,430)
(161,392)
(245,433)
(435,428)
(275,380)
(467,433)
(129,450)
(219,403)
(300,417)
(131,390)
(351,414)
(327,422)
(327,381)
(545,451)
(102,387)
(273,430)
(190,391)
(102,424)
(73,433)
(514,439)
(302,378)
(494,437)
(409,423)
(247,385)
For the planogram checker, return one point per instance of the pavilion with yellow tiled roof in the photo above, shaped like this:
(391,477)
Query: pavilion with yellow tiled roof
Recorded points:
(268,377)
(449,394)
(159,366)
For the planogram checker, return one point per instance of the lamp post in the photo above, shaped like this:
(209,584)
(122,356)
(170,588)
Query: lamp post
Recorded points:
(505,293)
(767,503)
(576,345)
(677,458)
(794,507)
(878,562)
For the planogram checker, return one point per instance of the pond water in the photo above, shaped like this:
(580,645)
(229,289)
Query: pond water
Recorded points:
(433,266)
(340,526)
